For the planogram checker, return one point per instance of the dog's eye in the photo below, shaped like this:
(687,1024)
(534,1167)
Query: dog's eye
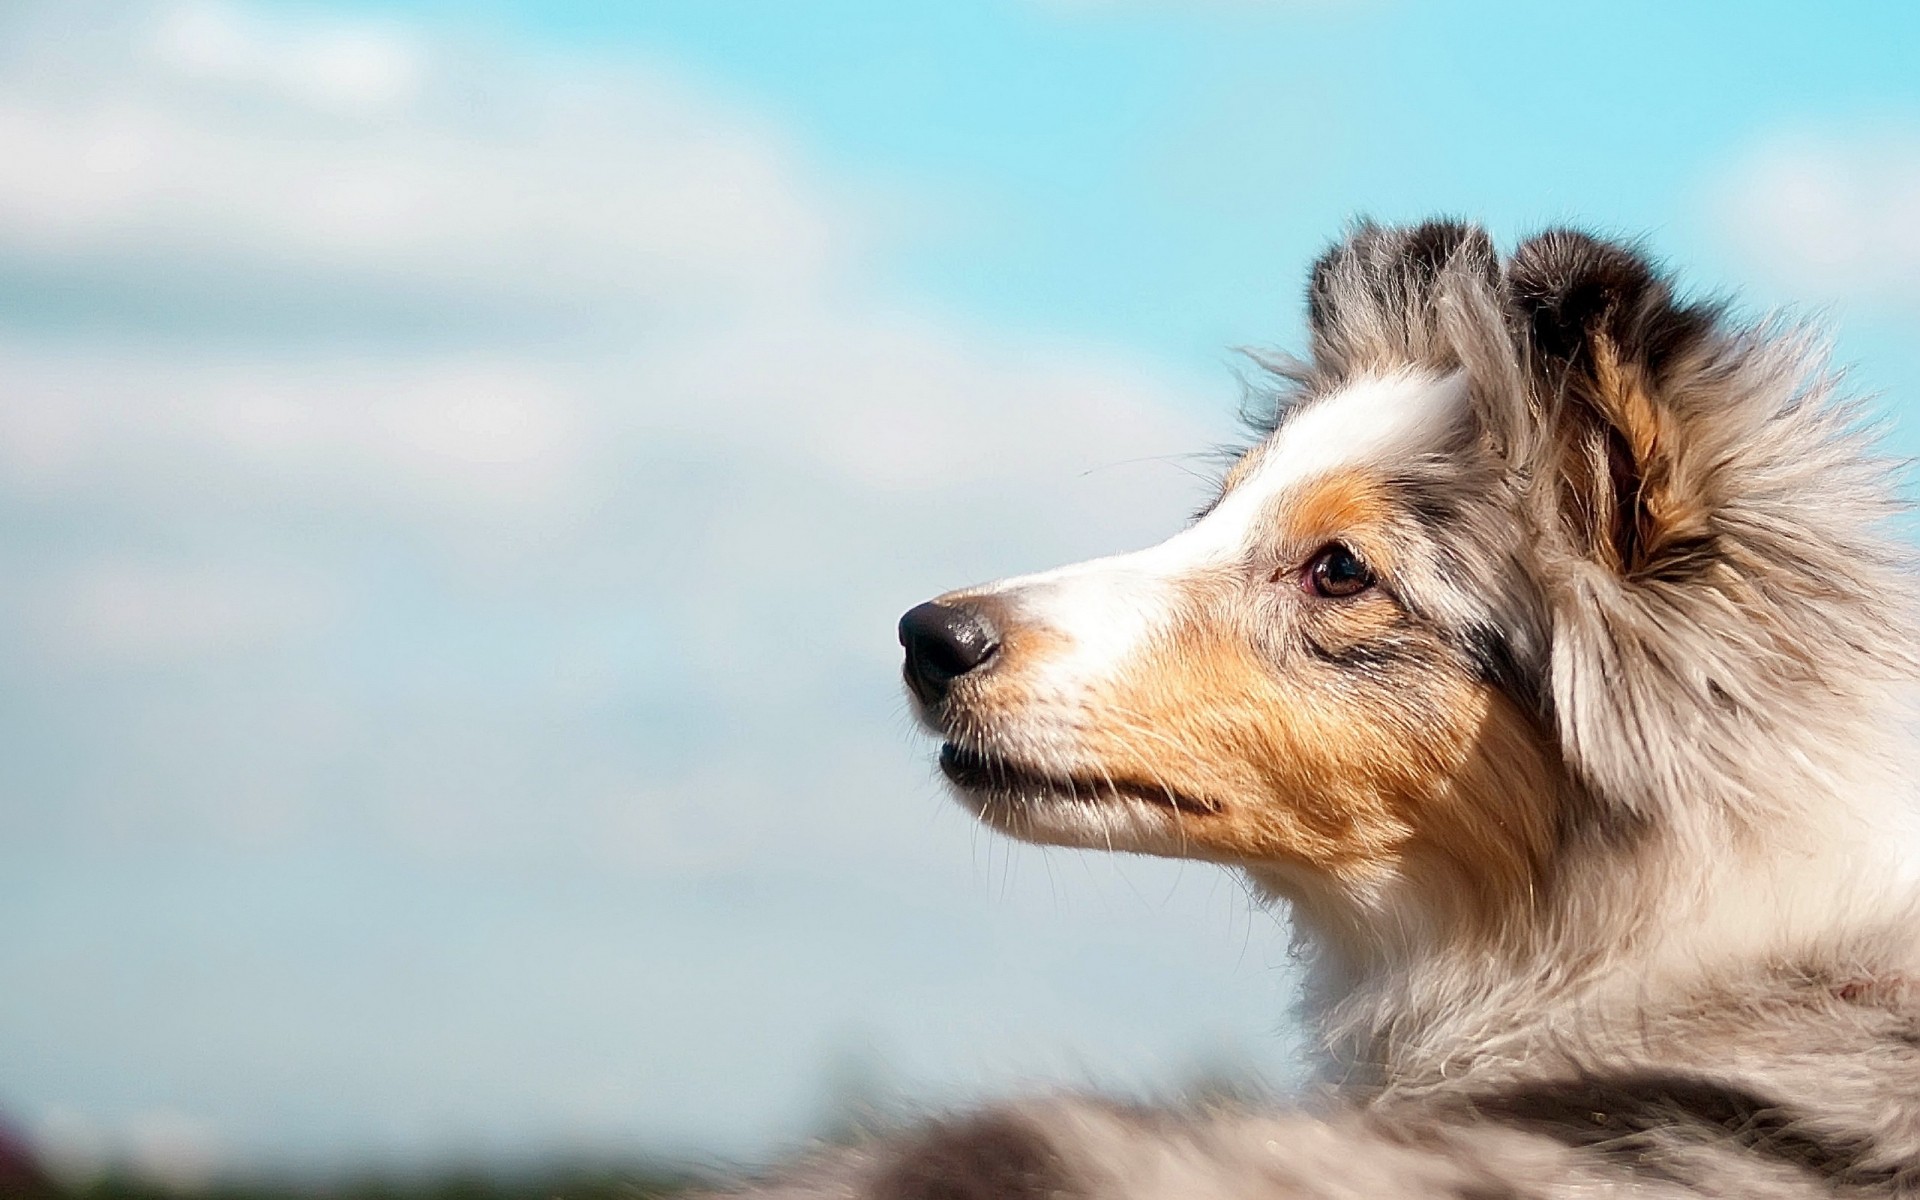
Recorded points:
(1337,572)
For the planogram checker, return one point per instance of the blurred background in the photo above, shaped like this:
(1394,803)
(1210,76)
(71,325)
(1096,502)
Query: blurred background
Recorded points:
(461,462)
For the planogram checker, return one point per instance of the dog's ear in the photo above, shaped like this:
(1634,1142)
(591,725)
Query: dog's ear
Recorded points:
(1378,300)
(1610,349)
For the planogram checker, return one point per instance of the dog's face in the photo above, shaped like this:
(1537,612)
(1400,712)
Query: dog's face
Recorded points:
(1308,679)
(1536,558)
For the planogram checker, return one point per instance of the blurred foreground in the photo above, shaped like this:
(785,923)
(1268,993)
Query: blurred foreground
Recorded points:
(637,1182)
(24,1177)
(858,1104)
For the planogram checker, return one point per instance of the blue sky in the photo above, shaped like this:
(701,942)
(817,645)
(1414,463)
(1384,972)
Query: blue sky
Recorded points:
(1140,169)
(460,465)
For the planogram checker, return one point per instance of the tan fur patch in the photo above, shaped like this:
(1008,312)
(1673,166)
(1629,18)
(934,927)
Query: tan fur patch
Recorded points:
(1337,736)
(1340,505)
(1629,488)
(1310,767)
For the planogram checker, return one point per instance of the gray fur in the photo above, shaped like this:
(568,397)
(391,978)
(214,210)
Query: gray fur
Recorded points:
(1715,988)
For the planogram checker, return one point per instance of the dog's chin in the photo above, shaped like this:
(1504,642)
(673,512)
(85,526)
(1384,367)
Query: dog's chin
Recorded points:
(1074,809)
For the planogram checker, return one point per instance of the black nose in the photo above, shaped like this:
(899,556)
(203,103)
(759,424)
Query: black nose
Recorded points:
(944,642)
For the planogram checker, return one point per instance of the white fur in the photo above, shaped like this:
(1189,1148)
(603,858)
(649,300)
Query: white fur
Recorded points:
(1108,607)
(1706,982)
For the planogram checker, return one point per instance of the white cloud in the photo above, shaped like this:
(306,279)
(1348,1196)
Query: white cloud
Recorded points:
(206,145)
(126,611)
(471,427)
(1830,214)
(355,68)
(561,535)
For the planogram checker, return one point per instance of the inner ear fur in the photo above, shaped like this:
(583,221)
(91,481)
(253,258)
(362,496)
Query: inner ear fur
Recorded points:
(1609,348)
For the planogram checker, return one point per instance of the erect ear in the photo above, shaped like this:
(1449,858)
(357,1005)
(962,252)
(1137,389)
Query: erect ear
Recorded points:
(1611,351)
(1375,300)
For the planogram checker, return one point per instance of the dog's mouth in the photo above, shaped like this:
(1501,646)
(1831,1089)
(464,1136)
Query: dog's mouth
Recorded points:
(996,775)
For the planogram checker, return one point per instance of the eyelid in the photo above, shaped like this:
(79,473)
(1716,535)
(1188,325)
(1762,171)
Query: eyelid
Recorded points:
(1357,544)
(1319,546)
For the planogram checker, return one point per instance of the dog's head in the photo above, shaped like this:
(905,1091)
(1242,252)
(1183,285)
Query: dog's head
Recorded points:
(1517,541)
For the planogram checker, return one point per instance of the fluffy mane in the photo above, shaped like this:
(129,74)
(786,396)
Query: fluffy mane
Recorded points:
(1719,633)
(1551,657)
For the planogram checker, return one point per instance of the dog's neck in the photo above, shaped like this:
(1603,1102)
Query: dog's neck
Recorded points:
(1424,990)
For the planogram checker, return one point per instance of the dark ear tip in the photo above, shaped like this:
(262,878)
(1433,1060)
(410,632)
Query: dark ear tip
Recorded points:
(1427,246)
(1565,283)
(1417,253)
(1431,245)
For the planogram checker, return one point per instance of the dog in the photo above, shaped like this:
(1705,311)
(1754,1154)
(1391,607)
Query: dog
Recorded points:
(1549,656)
